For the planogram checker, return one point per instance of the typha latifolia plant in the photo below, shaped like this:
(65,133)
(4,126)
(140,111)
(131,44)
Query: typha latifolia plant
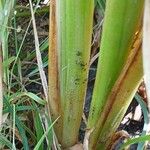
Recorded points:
(69,55)
(119,70)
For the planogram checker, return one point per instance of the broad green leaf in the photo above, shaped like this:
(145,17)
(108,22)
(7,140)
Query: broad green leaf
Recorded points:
(120,24)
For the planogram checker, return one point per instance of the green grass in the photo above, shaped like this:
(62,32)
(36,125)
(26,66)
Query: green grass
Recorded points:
(20,103)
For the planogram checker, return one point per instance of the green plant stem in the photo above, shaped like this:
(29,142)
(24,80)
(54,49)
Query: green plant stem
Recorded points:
(120,99)
(120,25)
(122,19)
(74,30)
(118,102)
(54,93)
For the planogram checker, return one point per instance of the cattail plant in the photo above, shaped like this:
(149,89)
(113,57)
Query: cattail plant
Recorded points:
(69,54)
(107,108)
(119,70)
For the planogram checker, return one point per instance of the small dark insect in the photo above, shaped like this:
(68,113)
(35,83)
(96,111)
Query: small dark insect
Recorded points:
(78,53)
(84,81)
(76,81)
(83,66)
